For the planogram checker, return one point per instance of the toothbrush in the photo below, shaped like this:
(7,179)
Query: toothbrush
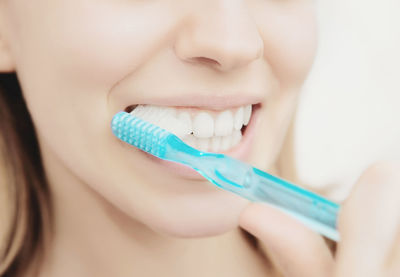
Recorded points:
(230,174)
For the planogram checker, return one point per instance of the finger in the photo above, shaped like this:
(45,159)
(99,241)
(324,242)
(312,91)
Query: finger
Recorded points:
(297,250)
(368,222)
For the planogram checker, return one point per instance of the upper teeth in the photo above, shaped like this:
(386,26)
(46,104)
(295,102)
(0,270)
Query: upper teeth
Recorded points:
(188,124)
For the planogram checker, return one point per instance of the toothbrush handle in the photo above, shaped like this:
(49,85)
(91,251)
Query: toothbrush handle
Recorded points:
(313,210)
(238,177)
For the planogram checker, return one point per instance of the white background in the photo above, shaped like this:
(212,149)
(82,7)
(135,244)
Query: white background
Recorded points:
(349,114)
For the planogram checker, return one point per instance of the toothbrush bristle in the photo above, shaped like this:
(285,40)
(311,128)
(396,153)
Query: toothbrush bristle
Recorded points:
(137,132)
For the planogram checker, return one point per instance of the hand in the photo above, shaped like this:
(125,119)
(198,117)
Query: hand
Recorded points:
(369,225)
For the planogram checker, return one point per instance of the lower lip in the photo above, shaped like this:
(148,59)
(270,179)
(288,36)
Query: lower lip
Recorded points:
(240,151)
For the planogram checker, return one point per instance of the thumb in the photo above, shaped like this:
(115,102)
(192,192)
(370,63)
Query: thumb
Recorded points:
(295,249)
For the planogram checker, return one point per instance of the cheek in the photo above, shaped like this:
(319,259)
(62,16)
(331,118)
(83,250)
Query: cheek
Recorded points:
(68,59)
(90,43)
(290,41)
(111,41)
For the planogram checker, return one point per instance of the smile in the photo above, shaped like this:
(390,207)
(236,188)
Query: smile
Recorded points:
(206,130)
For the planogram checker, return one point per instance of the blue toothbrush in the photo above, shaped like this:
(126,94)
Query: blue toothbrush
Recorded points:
(230,174)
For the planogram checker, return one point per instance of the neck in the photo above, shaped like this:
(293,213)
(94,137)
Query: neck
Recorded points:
(93,238)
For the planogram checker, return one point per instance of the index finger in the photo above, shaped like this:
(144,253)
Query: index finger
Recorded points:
(368,222)
(298,251)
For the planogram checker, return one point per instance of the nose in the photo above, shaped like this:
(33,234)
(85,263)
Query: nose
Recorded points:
(220,34)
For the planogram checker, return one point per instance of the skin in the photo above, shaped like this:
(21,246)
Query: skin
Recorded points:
(369,243)
(116,212)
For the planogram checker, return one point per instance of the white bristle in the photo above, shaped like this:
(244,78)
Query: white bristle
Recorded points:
(147,115)
(137,111)
(154,116)
(164,117)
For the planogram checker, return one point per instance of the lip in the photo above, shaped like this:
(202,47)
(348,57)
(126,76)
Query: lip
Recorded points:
(200,101)
(240,152)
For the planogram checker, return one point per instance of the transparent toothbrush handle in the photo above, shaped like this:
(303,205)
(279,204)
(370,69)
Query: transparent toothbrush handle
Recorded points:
(249,182)
(313,210)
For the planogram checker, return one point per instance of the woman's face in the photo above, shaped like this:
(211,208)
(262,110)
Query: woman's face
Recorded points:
(80,62)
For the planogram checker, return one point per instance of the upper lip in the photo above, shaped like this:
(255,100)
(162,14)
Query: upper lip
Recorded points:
(211,101)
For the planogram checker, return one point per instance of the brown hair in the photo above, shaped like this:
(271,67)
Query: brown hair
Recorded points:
(24,192)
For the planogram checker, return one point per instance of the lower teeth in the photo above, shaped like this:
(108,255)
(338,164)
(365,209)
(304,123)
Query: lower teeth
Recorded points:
(214,144)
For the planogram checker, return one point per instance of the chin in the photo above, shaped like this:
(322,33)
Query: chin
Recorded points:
(195,217)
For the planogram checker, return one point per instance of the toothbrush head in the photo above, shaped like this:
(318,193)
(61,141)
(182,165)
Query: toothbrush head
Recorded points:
(140,133)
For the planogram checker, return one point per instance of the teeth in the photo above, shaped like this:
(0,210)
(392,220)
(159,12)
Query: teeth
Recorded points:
(203,125)
(186,120)
(205,130)
(215,144)
(236,137)
(164,118)
(170,111)
(226,143)
(224,124)
(202,144)
(239,118)
(246,114)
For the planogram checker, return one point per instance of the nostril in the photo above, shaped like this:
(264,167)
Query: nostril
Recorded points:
(206,61)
